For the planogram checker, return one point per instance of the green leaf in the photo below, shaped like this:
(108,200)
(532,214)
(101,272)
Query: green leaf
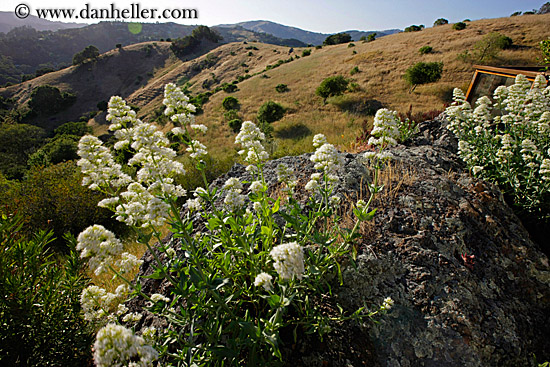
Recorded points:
(159,273)
(276,206)
(274,301)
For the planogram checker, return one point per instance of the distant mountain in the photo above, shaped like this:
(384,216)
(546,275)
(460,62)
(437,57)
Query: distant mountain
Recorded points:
(24,50)
(9,21)
(314,38)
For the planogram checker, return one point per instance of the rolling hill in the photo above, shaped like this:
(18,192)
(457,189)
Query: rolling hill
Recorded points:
(314,38)
(379,81)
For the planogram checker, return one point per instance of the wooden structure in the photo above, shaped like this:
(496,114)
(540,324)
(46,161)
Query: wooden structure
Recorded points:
(487,78)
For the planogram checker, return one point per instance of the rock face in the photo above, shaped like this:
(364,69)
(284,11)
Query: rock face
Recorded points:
(470,287)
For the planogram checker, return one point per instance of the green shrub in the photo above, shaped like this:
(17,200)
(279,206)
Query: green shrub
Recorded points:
(229,88)
(422,73)
(17,142)
(235,125)
(46,100)
(42,324)
(336,39)
(371,37)
(270,112)
(509,149)
(351,45)
(53,198)
(89,53)
(73,128)
(332,86)
(441,21)
(62,148)
(306,52)
(354,71)
(414,28)
(459,26)
(487,49)
(281,88)
(230,103)
(425,50)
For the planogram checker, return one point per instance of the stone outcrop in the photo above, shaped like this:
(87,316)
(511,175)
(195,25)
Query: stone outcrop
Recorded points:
(470,287)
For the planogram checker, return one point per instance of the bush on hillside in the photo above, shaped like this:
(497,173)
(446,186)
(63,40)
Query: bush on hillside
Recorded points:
(459,26)
(425,50)
(414,28)
(371,37)
(62,148)
(441,21)
(332,86)
(17,142)
(354,70)
(230,103)
(423,73)
(79,128)
(235,125)
(189,44)
(53,198)
(336,39)
(42,322)
(487,49)
(306,52)
(47,100)
(89,53)
(270,112)
(281,88)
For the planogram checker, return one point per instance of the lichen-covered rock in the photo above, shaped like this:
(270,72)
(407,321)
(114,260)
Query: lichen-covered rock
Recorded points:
(470,287)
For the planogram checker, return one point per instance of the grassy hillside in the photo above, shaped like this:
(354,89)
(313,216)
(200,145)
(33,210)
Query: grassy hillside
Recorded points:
(139,76)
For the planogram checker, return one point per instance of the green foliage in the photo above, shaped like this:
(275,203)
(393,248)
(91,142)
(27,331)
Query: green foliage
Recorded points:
(441,21)
(230,103)
(425,50)
(281,88)
(509,148)
(89,53)
(62,148)
(414,28)
(306,52)
(270,112)
(47,100)
(487,49)
(189,44)
(351,45)
(354,71)
(73,128)
(17,142)
(231,115)
(235,124)
(422,73)
(332,86)
(40,311)
(336,39)
(229,88)
(371,37)
(515,14)
(545,50)
(459,26)
(53,198)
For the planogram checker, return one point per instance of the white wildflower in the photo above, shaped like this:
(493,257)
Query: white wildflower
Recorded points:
(256,187)
(116,345)
(477,169)
(288,260)
(319,140)
(156,297)
(132,317)
(100,246)
(388,303)
(127,263)
(264,280)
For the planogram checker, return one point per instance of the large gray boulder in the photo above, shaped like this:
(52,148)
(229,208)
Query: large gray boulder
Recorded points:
(470,287)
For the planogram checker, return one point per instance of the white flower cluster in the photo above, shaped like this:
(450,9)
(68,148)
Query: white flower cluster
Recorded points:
(385,131)
(250,138)
(233,198)
(116,345)
(178,108)
(326,157)
(100,246)
(286,175)
(264,280)
(512,145)
(288,260)
(98,166)
(388,303)
(99,305)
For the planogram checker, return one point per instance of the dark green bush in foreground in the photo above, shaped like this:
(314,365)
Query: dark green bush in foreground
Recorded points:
(41,322)
(270,112)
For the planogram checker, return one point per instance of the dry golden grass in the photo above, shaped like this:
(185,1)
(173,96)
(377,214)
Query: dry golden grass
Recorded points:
(382,64)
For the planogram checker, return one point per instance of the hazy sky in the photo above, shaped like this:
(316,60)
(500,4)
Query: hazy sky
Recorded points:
(314,15)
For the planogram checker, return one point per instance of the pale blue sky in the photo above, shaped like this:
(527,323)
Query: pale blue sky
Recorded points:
(314,15)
